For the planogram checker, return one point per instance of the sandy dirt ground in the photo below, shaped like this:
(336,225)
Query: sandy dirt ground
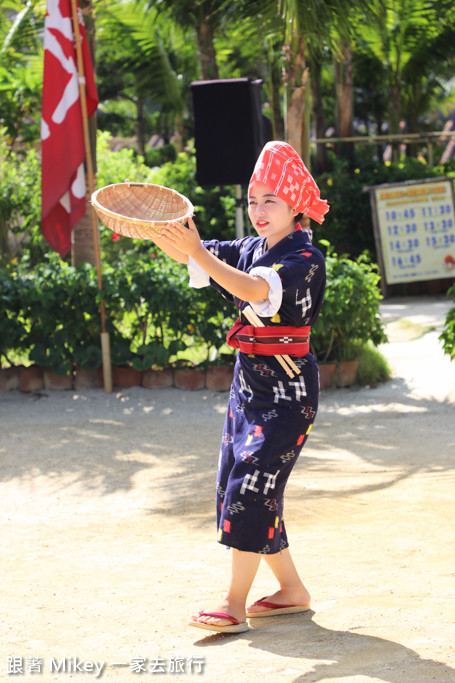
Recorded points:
(108,539)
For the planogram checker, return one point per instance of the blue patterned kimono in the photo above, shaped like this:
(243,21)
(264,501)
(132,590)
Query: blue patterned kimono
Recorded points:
(269,415)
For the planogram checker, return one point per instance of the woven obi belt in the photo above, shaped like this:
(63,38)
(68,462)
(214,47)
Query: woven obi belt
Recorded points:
(269,341)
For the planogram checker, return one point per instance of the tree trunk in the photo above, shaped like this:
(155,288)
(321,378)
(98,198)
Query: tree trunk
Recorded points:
(296,79)
(207,54)
(275,99)
(411,116)
(82,248)
(180,136)
(4,247)
(395,118)
(322,163)
(139,125)
(412,125)
(378,113)
(295,118)
(344,99)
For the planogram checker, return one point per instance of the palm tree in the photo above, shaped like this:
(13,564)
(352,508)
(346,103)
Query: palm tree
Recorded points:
(132,63)
(21,68)
(414,41)
(347,24)
(135,55)
(20,83)
(306,27)
(201,18)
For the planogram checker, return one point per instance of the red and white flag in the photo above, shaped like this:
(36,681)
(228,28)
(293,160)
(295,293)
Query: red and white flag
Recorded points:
(62,139)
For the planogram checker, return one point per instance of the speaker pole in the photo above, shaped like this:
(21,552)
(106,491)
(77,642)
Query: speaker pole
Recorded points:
(239,231)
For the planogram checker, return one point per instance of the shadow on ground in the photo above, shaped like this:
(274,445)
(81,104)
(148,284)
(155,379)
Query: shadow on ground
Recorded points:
(102,444)
(337,654)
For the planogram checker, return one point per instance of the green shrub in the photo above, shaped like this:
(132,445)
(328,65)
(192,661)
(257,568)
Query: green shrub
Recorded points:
(373,367)
(160,155)
(114,167)
(349,225)
(12,331)
(448,335)
(60,315)
(51,314)
(152,307)
(350,312)
(20,203)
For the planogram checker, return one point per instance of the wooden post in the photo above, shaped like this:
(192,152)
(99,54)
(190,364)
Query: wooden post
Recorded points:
(105,345)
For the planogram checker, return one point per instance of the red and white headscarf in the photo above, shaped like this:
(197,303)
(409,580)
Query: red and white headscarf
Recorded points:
(283,171)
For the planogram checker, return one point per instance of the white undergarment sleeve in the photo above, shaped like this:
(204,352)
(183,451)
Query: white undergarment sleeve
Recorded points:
(198,277)
(268,307)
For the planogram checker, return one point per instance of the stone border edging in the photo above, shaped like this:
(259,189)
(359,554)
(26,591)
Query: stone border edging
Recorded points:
(213,378)
(35,378)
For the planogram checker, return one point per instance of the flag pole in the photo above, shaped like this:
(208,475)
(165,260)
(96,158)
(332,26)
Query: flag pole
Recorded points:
(105,344)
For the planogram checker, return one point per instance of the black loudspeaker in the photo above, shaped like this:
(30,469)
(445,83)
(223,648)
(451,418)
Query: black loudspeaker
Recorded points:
(229,130)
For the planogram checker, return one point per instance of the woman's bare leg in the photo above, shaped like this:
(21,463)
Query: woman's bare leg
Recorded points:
(292,591)
(244,569)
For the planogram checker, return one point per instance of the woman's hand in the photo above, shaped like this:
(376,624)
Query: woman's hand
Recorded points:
(185,239)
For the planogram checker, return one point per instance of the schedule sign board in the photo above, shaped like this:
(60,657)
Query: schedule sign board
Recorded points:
(415,229)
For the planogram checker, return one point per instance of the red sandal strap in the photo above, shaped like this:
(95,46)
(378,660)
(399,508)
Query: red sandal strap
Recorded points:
(272,605)
(219,615)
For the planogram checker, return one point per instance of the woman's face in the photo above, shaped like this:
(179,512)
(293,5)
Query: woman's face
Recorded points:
(271,216)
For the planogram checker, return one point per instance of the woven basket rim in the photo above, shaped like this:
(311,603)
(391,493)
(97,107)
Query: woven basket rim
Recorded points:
(140,221)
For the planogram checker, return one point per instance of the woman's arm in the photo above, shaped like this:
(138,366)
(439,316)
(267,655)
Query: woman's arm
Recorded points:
(170,250)
(187,241)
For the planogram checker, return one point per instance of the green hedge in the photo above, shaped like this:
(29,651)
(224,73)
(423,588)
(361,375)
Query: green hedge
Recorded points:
(349,225)
(350,313)
(448,335)
(49,311)
(50,315)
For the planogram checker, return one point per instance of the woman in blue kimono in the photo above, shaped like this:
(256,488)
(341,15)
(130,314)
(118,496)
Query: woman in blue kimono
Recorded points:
(270,414)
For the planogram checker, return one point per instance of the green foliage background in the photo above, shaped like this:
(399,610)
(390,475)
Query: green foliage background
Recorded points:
(49,310)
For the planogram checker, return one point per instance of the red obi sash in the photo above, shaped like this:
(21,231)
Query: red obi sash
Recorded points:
(269,341)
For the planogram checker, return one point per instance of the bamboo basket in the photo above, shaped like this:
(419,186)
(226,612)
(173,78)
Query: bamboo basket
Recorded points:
(140,210)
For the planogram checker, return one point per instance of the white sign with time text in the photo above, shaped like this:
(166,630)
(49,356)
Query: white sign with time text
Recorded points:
(416,228)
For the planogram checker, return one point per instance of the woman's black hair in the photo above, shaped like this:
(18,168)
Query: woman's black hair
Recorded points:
(308,231)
